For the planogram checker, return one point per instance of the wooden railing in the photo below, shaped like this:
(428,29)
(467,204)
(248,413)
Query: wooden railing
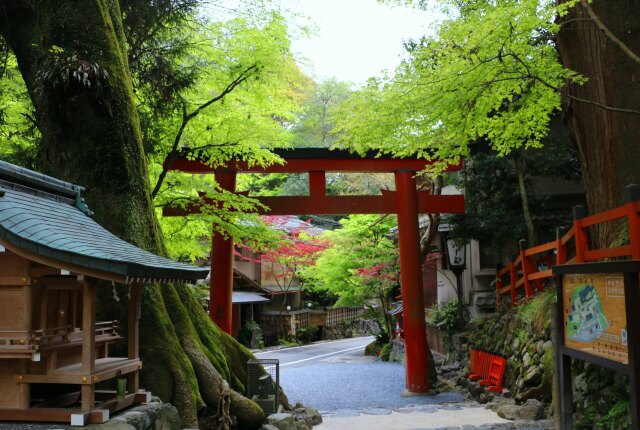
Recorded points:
(530,271)
(52,337)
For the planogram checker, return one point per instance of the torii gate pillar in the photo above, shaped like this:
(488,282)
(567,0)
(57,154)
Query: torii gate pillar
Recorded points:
(411,281)
(221,289)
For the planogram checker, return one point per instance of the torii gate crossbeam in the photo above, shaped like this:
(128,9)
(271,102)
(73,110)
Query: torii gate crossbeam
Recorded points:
(406,202)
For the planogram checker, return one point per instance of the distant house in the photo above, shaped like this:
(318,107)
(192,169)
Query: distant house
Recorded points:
(261,293)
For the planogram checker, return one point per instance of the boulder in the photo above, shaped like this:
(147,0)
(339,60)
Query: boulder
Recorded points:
(530,411)
(309,415)
(150,416)
(533,377)
(285,421)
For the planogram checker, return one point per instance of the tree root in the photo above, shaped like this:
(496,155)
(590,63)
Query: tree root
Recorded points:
(213,388)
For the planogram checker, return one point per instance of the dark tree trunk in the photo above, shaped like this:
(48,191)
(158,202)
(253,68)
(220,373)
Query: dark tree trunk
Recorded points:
(91,136)
(608,141)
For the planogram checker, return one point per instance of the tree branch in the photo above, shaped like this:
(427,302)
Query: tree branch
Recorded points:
(174,153)
(575,98)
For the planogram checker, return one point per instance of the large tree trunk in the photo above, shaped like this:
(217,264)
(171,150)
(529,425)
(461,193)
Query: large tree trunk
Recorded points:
(608,141)
(91,136)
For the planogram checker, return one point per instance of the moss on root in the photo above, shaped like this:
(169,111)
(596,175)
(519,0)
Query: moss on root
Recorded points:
(167,371)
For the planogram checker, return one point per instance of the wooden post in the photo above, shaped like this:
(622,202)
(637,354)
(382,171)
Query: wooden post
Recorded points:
(632,301)
(317,183)
(133,342)
(563,365)
(88,344)
(561,250)
(526,268)
(498,285)
(513,279)
(580,235)
(631,198)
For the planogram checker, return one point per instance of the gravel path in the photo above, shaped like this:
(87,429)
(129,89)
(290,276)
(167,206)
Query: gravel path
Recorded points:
(353,386)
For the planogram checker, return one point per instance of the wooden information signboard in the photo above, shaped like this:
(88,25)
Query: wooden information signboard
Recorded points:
(598,313)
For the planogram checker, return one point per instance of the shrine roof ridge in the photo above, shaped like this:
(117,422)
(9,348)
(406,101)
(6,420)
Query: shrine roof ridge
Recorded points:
(38,181)
(59,233)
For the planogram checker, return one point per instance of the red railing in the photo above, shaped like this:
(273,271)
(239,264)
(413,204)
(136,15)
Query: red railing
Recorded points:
(531,270)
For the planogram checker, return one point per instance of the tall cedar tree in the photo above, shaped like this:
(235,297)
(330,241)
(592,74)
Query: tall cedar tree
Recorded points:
(601,40)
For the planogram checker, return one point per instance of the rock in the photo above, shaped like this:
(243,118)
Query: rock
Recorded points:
(475,388)
(309,415)
(533,377)
(548,344)
(516,344)
(450,367)
(150,416)
(526,359)
(508,412)
(530,411)
(268,427)
(485,397)
(462,381)
(283,421)
(580,383)
(532,393)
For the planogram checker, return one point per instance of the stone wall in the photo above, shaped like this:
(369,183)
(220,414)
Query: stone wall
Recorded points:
(523,336)
(353,328)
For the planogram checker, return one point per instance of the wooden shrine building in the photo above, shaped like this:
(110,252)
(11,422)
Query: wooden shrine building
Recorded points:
(53,258)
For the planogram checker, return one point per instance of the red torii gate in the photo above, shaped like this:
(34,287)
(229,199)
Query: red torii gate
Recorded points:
(406,202)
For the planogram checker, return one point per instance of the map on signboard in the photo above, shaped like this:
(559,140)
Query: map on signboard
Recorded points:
(594,315)
(587,319)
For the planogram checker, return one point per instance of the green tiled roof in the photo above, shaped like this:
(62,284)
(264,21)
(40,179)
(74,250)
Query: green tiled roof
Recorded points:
(43,219)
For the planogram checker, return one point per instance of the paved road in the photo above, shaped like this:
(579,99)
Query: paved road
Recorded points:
(323,351)
(356,392)
(337,376)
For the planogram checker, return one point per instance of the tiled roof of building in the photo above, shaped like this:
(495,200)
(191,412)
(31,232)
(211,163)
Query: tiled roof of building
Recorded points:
(40,215)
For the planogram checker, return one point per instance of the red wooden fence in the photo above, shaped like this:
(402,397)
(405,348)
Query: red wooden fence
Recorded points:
(531,270)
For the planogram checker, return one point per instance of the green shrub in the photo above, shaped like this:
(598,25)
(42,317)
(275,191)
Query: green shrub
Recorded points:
(285,342)
(382,338)
(445,316)
(246,332)
(307,334)
(385,352)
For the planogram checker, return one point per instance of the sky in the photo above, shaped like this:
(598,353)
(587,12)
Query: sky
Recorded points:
(356,39)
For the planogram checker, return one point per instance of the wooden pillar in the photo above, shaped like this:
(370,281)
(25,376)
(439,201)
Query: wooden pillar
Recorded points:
(632,301)
(561,250)
(221,287)
(88,344)
(317,183)
(415,334)
(631,198)
(133,335)
(563,365)
(580,236)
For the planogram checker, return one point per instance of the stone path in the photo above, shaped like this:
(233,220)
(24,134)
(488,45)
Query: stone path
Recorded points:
(454,416)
